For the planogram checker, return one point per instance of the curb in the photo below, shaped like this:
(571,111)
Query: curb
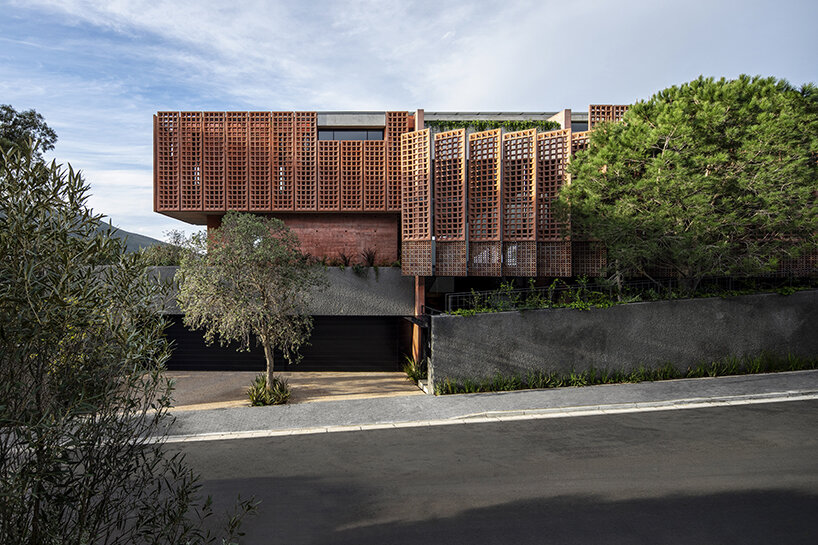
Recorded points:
(514,415)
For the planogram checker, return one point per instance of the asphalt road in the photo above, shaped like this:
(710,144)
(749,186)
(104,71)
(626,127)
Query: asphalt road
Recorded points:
(746,474)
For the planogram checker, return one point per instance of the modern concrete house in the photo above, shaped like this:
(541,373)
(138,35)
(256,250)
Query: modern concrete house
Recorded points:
(454,207)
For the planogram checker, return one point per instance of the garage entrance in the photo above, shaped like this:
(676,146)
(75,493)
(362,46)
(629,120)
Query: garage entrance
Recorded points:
(338,343)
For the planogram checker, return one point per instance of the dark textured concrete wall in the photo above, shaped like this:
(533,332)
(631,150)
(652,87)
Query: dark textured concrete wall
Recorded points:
(682,332)
(386,293)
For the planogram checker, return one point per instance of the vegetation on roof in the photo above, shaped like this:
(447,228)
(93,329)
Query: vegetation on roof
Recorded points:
(479,125)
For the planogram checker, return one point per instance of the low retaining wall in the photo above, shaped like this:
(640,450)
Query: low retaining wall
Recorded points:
(681,332)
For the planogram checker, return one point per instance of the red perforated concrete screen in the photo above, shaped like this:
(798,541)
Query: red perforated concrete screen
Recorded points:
(351,173)
(519,185)
(416,249)
(283,157)
(236,151)
(397,123)
(598,113)
(213,157)
(374,175)
(305,133)
(190,164)
(258,144)
(166,169)
(450,186)
(328,174)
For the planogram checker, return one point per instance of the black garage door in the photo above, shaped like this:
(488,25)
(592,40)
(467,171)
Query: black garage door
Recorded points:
(338,343)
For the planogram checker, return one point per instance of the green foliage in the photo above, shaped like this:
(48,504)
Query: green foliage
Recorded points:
(169,254)
(485,125)
(248,279)
(24,131)
(709,178)
(763,363)
(260,395)
(83,402)
(415,370)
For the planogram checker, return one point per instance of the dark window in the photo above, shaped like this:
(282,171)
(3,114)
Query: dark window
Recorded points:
(350,134)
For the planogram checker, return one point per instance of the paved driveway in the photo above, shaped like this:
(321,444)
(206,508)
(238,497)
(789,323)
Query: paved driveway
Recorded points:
(213,389)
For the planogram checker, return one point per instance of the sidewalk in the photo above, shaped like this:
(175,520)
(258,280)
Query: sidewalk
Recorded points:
(422,410)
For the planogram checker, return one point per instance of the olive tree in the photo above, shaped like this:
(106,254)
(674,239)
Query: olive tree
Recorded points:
(83,403)
(709,178)
(248,279)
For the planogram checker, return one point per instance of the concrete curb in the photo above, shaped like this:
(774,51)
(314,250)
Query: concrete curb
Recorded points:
(514,415)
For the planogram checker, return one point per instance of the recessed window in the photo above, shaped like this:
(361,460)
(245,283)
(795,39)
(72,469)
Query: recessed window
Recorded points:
(350,134)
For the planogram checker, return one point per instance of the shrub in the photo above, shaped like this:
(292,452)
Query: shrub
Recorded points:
(260,395)
(415,370)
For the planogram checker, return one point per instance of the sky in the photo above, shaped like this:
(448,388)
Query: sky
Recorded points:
(98,71)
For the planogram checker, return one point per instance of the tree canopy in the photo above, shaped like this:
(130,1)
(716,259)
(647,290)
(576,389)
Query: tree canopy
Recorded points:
(706,178)
(248,279)
(17,129)
(82,398)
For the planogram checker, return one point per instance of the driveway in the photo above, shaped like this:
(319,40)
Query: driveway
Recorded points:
(222,389)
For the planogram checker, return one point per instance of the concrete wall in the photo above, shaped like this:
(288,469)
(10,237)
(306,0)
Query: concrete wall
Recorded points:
(386,294)
(682,332)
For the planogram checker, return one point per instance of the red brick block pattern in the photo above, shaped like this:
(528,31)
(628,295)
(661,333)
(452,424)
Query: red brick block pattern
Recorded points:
(553,152)
(485,258)
(351,172)
(450,186)
(397,123)
(283,157)
(236,152)
(213,158)
(305,132)
(328,174)
(258,139)
(519,190)
(598,113)
(190,164)
(166,168)
(485,154)
(416,193)
(374,175)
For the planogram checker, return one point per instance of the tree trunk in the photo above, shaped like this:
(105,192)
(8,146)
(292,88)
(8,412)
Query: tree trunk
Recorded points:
(269,355)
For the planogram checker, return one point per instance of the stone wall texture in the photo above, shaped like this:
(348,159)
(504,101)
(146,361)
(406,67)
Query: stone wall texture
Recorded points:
(681,332)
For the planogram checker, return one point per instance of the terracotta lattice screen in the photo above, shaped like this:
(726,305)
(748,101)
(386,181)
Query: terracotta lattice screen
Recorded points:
(484,203)
(518,205)
(553,249)
(258,144)
(213,161)
(397,123)
(416,255)
(374,175)
(190,164)
(166,158)
(450,203)
(328,174)
(282,160)
(351,173)
(236,151)
(305,133)
(588,257)
(598,113)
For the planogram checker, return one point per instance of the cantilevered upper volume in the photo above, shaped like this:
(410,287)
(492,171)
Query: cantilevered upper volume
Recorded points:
(447,193)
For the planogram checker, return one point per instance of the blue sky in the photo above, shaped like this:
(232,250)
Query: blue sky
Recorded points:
(97,71)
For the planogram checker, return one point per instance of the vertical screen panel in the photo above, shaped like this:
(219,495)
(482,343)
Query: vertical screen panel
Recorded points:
(351,174)
(259,187)
(190,164)
(553,152)
(416,193)
(374,172)
(213,161)
(236,149)
(328,174)
(167,161)
(484,185)
(397,123)
(599,113)
(450,185)
(306,144)
(416,235)
(519,190)
(579,141)
(282,160)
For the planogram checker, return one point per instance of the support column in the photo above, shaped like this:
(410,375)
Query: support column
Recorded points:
(417,331)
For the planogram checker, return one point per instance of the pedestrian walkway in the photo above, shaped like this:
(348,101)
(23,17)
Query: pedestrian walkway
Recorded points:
(423,410)
(200,390)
